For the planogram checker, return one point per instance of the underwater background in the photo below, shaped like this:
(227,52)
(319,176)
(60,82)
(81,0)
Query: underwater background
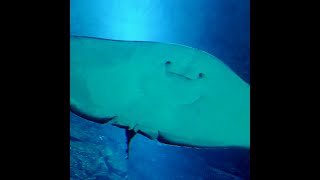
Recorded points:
(220,27)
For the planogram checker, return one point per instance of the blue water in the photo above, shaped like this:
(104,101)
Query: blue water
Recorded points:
(220,27)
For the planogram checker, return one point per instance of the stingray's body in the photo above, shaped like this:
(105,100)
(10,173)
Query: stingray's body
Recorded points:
(175,94)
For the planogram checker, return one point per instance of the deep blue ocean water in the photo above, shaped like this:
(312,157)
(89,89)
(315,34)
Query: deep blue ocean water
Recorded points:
(220,27)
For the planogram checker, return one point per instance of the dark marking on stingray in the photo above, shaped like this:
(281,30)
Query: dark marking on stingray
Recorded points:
(167,63)
(180,75)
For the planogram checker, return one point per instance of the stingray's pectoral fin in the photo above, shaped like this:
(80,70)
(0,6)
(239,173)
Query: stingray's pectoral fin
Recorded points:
(132,129)
(92,118)
(99,120)
(131,132)
(102,120)
(147,132)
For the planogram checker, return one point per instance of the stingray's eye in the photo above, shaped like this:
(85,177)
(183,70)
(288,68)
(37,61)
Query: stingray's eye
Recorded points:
(168,62)
(201,75)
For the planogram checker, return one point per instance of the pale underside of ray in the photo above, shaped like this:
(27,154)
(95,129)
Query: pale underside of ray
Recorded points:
(176,94)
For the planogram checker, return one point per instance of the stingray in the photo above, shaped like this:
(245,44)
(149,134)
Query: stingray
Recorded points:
(171,93)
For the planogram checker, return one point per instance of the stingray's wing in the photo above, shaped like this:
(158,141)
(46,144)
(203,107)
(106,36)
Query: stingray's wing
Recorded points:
(100,78)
